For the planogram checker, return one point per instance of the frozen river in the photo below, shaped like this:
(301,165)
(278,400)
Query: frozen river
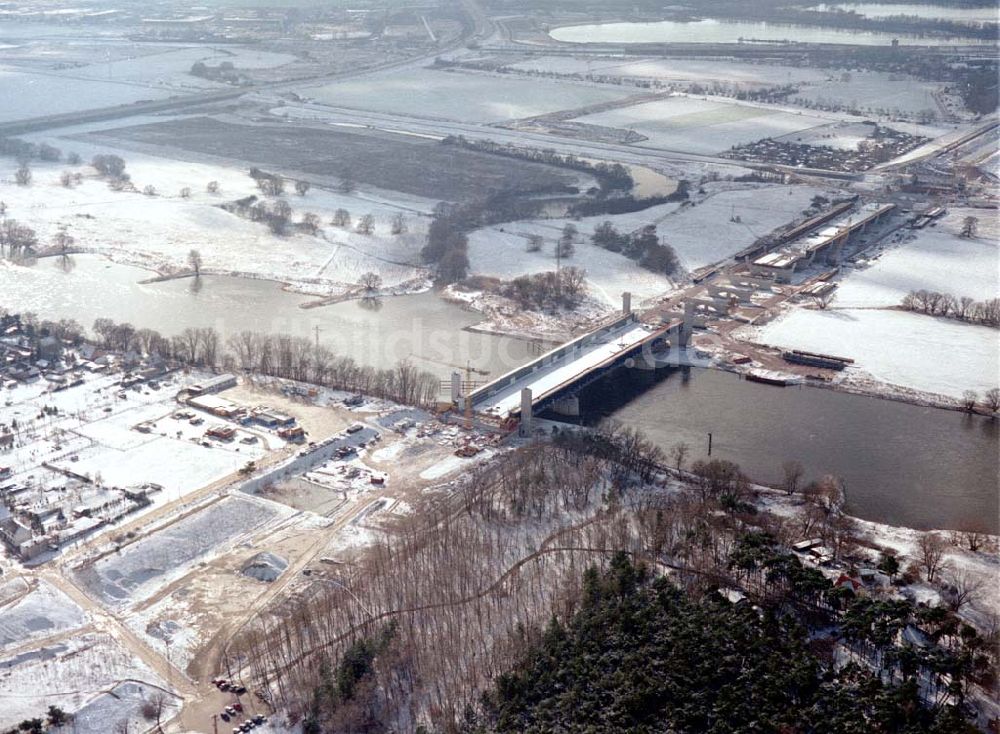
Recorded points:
(708,30)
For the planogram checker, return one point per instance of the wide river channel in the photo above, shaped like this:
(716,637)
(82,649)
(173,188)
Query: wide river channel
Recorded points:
(902,464)
(709,30)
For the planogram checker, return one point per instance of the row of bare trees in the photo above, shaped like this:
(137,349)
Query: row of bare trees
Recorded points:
(298,358)
(275,355)
(964,308)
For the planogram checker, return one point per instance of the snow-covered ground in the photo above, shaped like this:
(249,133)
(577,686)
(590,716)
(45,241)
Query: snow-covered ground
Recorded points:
(703,126)
(461,96)
(40,94)
(924,353)
(67,674)
(43,611)
(122,703)
(500,252)
(701,234)
(872,90)
(139,569)
(158,232)
(934,259)
(701,71)
(170,67)
(111,76)
(706,233)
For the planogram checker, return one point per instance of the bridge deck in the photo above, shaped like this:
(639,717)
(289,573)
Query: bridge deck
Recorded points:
(545,379)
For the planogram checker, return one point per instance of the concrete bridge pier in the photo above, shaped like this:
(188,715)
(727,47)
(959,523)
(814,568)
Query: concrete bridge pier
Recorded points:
(524,427)
(569,406)
(687,327)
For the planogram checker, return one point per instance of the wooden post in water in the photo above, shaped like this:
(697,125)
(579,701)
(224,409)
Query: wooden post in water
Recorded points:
(709,444)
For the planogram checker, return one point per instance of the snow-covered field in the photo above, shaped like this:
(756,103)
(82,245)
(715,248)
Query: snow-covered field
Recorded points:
(170,68)
(932,355)
(158,232)
(140,568)
(705,233)
(875,90)
(68,675)
(701,235)
(702,126)
(500,252)
(122,703)
(934,259)
(39,94)
(176,465)
(460,96)
(112,76)
(43,611)
(702,71)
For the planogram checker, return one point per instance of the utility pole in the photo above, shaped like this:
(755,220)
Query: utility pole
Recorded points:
(710,443)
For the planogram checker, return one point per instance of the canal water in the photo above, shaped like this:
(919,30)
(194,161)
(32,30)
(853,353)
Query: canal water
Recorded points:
(709,30)
(422,327)
(902,464)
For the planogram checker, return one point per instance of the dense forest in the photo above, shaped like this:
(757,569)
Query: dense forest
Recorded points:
(642,656)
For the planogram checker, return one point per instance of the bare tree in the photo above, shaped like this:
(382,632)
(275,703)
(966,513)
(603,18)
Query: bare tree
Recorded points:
(194,260)
(793,472)
(302,187)
(930,554)
(341,218)
(535,243)
(963,588)
(310,222)
(212,187)
(66,179)
(679,454)
(366,225)
(64,241)
(969,400)
(398,224)
(971,537)
(149,190)
(970,226)
(23,175)
(370,281)
(565,247)
(993,399)
(186,193)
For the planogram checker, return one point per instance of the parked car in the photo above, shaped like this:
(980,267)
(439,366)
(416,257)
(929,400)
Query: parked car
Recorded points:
(224,716)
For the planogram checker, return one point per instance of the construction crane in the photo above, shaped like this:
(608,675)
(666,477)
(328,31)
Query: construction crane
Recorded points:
(467,368)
